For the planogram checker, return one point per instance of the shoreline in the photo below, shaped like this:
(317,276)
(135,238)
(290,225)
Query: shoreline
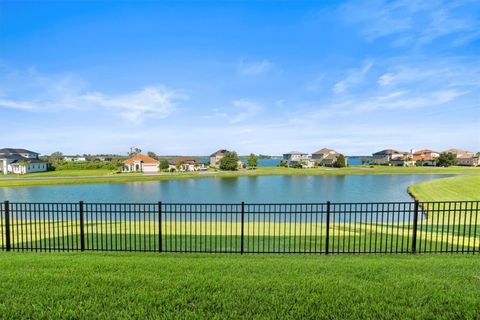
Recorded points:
(45,180)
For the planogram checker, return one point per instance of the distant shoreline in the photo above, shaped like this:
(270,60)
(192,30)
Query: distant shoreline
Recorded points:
(76,177)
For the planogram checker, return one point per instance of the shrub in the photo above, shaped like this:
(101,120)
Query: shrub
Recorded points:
(229,161)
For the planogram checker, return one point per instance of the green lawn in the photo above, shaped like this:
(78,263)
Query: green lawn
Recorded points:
(448,189)
(190,286)
(105,176)
(66,173)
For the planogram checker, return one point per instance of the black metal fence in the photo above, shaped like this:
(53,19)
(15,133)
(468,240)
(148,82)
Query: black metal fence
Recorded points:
(314,228)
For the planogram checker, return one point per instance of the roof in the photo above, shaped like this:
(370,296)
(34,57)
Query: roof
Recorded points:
(18,158)
(15,151)
(388,152)
(142,158)
(29,160)
(424,151)
(324,151)
(295,152)
(220,152)
(179,160)
(458,152)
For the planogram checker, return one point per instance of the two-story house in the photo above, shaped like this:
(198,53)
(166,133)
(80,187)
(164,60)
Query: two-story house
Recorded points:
(20,161)
(295,159)
(326,157)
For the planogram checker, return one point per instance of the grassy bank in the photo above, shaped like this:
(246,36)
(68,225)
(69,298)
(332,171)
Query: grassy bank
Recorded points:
(448,189)
(121,285)
(105,176)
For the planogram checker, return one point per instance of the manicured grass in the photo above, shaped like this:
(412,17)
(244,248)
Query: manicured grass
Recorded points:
(143,285)
(448,189)
(104,176)
(66,173)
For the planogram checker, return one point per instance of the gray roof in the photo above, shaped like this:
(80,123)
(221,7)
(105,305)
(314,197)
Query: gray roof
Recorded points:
(295,152)
(387,152)
(324,150)
(15,151)
(20,159)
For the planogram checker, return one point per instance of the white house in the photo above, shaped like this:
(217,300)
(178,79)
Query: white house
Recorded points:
(74,158)
(141,163)
(20,161)
(295,158)
(186,164)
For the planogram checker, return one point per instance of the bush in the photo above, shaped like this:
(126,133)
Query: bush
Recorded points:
(163,165)
(229,161)
(88,165)
(446,160)
(340,162)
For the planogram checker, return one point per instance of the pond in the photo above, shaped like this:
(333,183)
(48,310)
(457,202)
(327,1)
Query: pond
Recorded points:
(261,189)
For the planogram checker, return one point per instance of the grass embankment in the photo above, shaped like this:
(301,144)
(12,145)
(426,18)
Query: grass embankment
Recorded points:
(448,189)
(445,233)
(123,285)
(106,176)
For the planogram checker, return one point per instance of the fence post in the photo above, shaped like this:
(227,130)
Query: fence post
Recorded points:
(160,226)
(8,244)
(243,229)
(328,229)
(82,228)
(415,226)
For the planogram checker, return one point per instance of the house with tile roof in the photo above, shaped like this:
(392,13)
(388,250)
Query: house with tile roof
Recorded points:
(460,153)
(20,161)
(141,163)
(425,157)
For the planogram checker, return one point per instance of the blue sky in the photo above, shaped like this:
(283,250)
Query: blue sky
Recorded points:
(264,77)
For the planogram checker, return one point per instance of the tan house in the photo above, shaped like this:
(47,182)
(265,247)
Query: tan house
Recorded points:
(469,161)
(141,163)
(326,157)
(460,153)
(218,155)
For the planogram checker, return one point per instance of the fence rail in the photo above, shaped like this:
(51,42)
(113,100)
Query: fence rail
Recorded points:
(313,228)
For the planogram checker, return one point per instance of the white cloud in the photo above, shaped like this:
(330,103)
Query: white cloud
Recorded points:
(412,22)
(31,91)
(254,68)
(150,102)
(354,77)
(249,108)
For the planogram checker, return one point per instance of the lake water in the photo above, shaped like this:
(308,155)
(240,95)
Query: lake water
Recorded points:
(262,189)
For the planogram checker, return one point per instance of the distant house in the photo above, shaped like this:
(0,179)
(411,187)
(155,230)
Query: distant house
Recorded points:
(141,163)
(460,153)
(20,161)
(425,156)
(389,156)
(74,158)
(296,158)
(216,157)
(473,161)
(326,157)
(186,164)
